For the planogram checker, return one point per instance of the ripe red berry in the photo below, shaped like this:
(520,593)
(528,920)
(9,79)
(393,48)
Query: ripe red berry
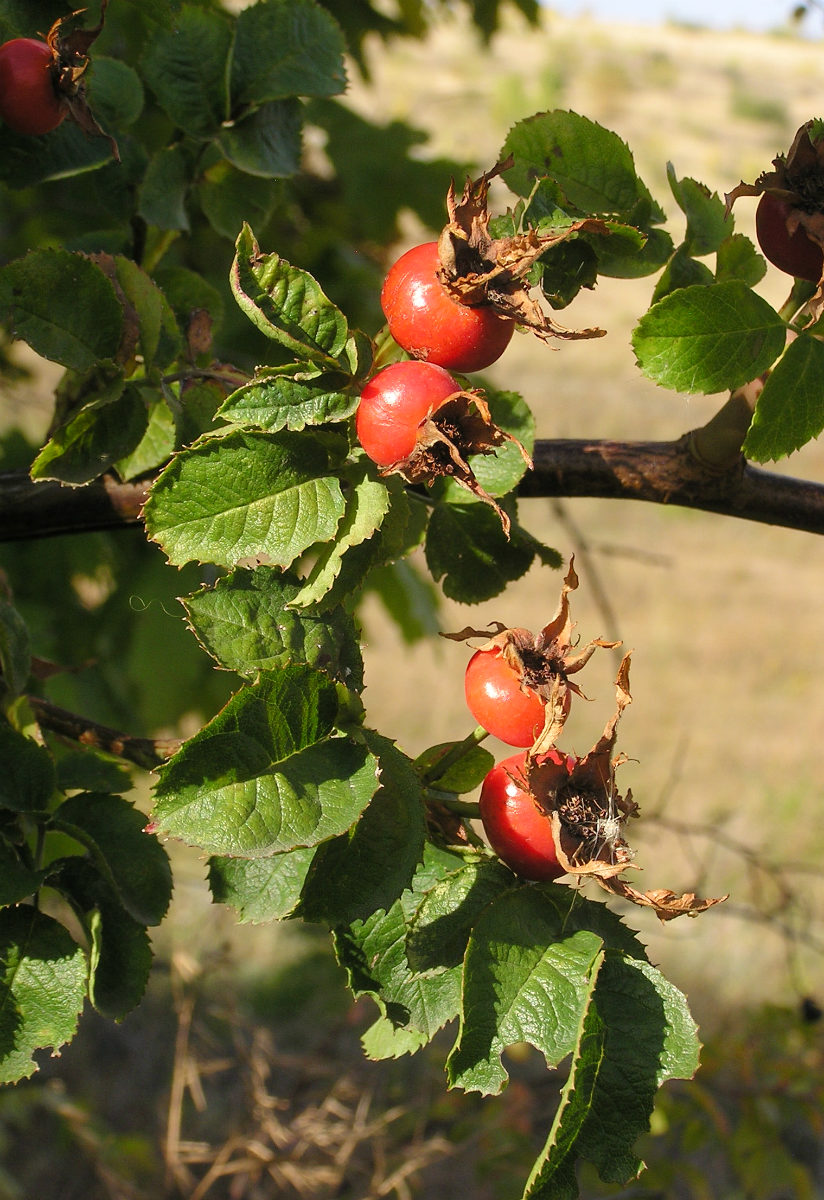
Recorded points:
(518,830)
(793,252)
(425,320)
(29,101)
(498,701)
(393,405)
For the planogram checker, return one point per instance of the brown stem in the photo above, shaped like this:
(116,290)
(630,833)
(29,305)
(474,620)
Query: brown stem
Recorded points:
(147,753)
(669,473)
(659,472)
(30,510)
(718,443)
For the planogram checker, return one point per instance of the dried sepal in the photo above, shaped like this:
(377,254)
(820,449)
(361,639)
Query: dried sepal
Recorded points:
(479,269)
(458,428)
(543,661)
(667,905)
(587,811)
(70,49)
(797,178)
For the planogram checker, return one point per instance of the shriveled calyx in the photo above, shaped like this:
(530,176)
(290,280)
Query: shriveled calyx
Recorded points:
(797,180)
(70,52)
(543,661)
(458,428)
(476,268)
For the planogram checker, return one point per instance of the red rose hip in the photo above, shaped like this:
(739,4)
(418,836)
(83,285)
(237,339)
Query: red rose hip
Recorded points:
(393,405)
(498,700)
(516,828)
(794,252)
(29,101)
(425,320)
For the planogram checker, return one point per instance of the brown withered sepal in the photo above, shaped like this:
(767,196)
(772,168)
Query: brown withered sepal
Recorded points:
(458,428)
(70,51)
(589,815)
(543,661)
(797,178)
(479,269)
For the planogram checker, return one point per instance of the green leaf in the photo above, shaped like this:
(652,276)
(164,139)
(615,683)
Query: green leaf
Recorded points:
(65,152)
(246,623)
(527,979)
(15,649)
(266,143)
(187,69)
(27,776)
(63,306)
(120,956)
(133,863)
(465,775)
(161,197)
(443,924)
(261,889)
(114,92)
(708,339)
(267,773)
(287,305)
(17,881)
(367,503)
(292,396)
(95,437)
(366,869)
(160,340)
(119,961)
(681,271)
(242,496)
(708,222)
(501,472)
(156,445)
(42,989)
(593,167)
(636,1033)
(88,771)
(414,1006)
(738,258)
(399,534)
(614,261)
(467,551)
(565,269)
(286,48)
(229,197)
(186,290)
(790,410)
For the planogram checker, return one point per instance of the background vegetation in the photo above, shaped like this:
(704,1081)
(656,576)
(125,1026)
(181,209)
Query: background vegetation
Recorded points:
(255,1066)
